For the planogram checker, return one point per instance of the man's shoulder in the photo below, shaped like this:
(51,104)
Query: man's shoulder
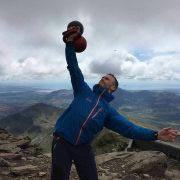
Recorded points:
(85,89)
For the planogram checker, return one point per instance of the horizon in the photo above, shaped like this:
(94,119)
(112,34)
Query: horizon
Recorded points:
(126,85)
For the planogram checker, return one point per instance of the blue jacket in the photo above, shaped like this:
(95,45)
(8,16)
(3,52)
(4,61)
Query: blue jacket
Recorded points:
(90,111)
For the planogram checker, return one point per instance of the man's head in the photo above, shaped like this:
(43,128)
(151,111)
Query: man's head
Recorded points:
(109,82)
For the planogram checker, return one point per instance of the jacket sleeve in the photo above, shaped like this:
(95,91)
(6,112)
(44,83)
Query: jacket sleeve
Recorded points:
(77,78)
(123,126)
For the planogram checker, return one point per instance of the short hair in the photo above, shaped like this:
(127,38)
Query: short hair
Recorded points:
(115,80)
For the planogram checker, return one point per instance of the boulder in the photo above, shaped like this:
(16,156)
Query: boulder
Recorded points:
(9,148)
(146,162)
(10,156)
(3,136)
(173,170)
(143,164)
(24,143)
(42,174)
(3,141)
(4,163)
(23,170)
(173,174)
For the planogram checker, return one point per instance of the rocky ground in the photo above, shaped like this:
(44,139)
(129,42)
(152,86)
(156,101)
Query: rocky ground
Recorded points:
(20,160)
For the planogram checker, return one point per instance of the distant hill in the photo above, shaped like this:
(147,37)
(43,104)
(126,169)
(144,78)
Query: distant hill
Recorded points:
(153,109)
(36,121)
(14,99)
(158,108)
(32,120)
(7,109)
(61,98)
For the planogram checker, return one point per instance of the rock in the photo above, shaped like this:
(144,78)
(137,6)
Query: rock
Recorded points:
(24,158)
(31,158)
(23,170)
(3,136)
(23,143)
(174,174)
(134,163)
(48,155)
(132,177)
(3,141)
(4,163)
(146,175)
(173,170)
(42,174)
(110,166)
(5,173)
(146,162)
(108,156)
(9,148)
(103,177)
(10,156)
(3,131)
(40,156)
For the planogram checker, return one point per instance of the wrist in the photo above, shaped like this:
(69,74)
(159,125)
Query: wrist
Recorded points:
(156,135)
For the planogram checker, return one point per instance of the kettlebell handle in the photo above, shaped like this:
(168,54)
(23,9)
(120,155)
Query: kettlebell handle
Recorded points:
(67,33)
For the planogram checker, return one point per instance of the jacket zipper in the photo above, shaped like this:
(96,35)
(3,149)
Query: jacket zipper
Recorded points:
(88,117)
(99,110)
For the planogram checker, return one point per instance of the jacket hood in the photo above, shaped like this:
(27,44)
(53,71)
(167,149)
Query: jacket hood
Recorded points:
(97,89)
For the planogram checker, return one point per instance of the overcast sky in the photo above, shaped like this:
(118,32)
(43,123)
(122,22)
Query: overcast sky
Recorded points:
(135,40)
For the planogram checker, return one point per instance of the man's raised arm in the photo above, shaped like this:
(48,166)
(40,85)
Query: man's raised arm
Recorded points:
(77,78)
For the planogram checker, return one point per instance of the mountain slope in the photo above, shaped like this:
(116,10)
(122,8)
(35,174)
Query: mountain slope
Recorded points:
(151,107)
(33,119)
(61,98)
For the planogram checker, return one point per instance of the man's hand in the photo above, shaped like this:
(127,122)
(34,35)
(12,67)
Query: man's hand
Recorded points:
(74,35)
(167,134)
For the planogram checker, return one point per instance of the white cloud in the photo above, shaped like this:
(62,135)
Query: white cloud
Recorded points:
(31,45)
(128,66)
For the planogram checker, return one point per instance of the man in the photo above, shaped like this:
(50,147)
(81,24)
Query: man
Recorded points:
(86,116)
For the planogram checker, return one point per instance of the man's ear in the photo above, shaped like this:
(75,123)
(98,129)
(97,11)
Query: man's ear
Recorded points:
(112,88)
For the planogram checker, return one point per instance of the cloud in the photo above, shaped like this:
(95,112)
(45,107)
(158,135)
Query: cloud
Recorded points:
(129,67)
(31,45)
(32,68)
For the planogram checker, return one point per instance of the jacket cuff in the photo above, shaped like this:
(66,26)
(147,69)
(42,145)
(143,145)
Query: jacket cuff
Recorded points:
(156,135)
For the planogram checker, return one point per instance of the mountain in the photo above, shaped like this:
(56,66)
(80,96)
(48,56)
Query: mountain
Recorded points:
(36,121)
(7,109)
(158,108)
(151,109)
(33,119)
(61,98)
(155,108)
(19,95)
(14,99)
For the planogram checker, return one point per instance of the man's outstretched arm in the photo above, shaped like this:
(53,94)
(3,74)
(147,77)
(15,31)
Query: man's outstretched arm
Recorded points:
(123,126)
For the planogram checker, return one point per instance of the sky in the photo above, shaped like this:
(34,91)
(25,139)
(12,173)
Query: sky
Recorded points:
(138,41)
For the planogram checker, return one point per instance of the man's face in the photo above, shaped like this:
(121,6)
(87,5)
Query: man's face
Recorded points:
(108,82)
